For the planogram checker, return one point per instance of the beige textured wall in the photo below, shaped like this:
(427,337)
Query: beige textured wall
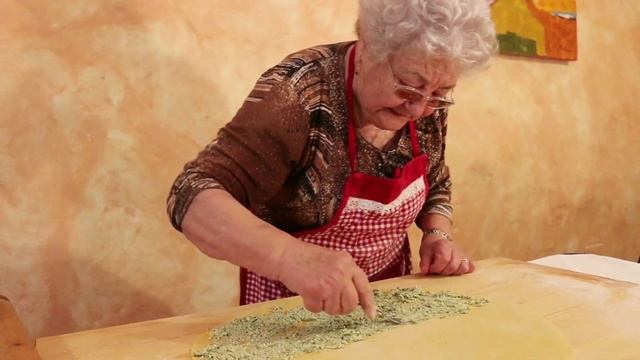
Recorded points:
(102,101)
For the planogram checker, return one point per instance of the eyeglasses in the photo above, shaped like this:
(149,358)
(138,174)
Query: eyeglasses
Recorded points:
(414,95)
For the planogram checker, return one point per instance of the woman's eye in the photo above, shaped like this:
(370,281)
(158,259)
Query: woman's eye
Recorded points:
(441,93)
(413,85)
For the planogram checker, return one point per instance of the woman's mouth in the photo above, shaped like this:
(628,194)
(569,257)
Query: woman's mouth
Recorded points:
(399,114)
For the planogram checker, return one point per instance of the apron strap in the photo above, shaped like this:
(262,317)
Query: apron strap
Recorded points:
(414,139)
(350,120)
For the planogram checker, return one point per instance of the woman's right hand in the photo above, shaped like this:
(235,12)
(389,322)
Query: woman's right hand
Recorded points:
(327,280)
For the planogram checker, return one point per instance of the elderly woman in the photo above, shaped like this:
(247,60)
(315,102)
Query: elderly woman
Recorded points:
(337,150)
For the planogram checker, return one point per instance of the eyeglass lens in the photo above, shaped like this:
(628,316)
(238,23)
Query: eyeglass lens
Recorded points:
(411,94)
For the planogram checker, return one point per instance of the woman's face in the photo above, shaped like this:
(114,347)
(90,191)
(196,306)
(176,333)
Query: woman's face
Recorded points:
(379,102)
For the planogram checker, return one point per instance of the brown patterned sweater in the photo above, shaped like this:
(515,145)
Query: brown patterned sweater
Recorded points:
(284,154)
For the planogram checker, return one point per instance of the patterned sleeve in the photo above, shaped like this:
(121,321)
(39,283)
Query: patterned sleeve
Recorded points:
(252,155)
(439,199)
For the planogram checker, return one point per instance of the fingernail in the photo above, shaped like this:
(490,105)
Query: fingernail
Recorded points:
(371,314)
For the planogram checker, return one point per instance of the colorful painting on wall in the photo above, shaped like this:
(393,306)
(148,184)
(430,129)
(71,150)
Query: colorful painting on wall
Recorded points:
(538,28)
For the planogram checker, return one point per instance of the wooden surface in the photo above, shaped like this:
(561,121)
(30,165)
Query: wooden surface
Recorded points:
(15,343)
(599,318)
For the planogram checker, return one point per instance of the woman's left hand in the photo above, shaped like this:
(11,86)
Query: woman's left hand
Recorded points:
(443,257)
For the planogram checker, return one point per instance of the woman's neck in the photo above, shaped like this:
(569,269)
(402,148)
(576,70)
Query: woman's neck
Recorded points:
(379,138)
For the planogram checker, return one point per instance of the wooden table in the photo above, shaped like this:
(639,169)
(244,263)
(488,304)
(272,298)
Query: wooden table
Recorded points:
(598,317)
(15,343)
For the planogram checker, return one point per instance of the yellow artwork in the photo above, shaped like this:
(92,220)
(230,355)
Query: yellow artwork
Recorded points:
(540,28)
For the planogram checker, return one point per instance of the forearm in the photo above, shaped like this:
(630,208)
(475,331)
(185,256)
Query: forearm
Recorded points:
(224,229)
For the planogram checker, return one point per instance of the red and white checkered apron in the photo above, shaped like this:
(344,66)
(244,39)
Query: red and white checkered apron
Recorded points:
(371,222)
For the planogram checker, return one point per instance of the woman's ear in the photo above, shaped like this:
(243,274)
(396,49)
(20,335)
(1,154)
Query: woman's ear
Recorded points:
(362,46)
(361,50)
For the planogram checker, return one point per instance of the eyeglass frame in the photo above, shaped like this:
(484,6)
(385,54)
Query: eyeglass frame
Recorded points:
(447,101)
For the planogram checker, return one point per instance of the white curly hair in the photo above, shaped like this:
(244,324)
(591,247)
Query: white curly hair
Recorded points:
(456,32)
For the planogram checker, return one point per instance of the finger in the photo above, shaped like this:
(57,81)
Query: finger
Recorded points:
(313,305)
(464,267)
(348,299)
(472,266)
(332,305)
(365,295)
(441,260)
(453,265)
(426,259)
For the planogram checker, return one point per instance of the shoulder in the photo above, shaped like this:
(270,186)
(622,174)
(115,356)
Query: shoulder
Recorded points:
(302,64)
(298,72)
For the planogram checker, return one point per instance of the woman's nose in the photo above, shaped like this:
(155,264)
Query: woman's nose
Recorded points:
(418,109)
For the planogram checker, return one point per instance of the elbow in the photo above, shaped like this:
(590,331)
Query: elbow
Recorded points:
(201,226)
(207,248)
